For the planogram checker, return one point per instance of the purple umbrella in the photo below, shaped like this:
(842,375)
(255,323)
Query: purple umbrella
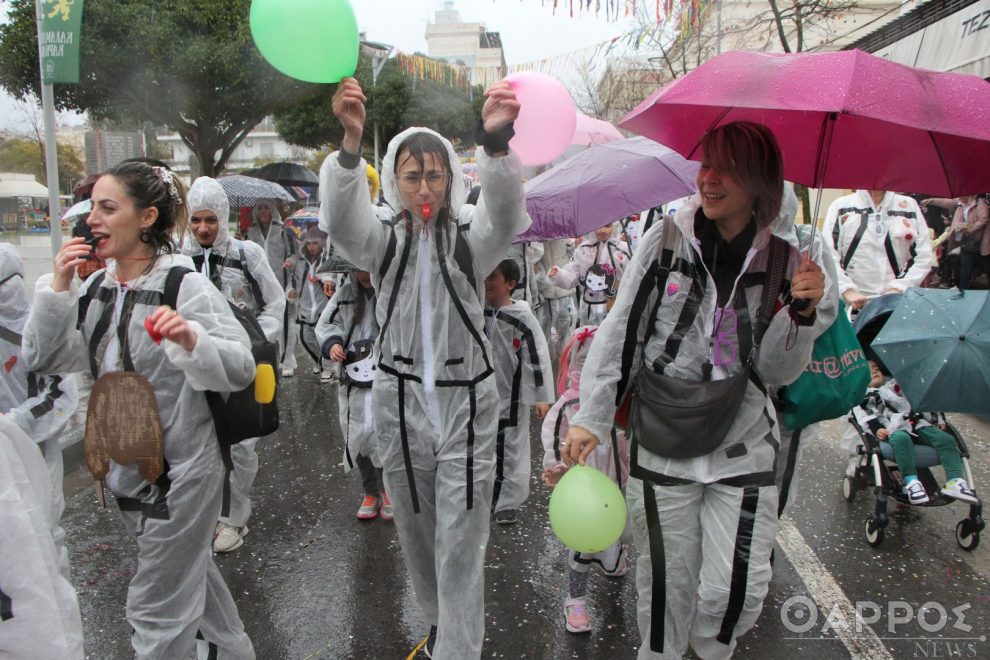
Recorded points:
(603,184)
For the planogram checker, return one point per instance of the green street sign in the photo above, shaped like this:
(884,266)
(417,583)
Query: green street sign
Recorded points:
(61,27)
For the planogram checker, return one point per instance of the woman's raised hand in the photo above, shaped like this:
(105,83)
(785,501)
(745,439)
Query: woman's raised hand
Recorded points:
(348,108)
(501,107)
(72,254)
(169,324)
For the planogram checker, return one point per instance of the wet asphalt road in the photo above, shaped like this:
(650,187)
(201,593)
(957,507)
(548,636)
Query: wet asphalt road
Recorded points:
(311,581)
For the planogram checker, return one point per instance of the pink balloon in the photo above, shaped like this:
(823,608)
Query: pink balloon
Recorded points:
(547,118)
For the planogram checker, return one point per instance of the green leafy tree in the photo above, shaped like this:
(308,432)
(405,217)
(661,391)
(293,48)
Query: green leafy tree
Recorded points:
(395,102)
(28,157)
(190,65)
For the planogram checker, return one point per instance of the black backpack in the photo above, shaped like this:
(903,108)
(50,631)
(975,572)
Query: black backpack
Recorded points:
(236,415)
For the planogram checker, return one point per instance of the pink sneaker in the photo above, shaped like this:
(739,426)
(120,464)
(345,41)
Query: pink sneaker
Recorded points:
(576,616)
(368,509)
(386,507)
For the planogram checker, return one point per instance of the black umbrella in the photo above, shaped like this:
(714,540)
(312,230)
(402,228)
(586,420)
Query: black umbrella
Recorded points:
(287,174)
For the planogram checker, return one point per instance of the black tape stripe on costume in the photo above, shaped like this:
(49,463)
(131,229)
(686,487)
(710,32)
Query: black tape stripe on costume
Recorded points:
(473,410)
(888,247)
(646,287)
(615,457)
(405,445)
(143,297)
(347,431)
(528,338)
(785,484)
(213,650)
(509,423)
(157,509)
(6,607)
(837,227)
(302,327)
(54,393)
(689,312)
(857,237)
(396,284)
(10,336)
(454,297)
(95,282)
(558,424)
(740,563)
(658,562)
(102,325)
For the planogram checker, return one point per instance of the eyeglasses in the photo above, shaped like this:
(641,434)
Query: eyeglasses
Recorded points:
(434,180)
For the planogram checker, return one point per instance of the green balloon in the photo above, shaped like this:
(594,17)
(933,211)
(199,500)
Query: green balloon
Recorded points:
(587,510)
(311,40)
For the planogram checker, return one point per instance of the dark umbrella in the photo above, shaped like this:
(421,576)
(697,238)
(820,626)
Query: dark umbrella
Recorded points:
(936,343)
(286,173)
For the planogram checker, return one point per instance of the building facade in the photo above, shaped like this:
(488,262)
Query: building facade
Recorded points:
(468,44)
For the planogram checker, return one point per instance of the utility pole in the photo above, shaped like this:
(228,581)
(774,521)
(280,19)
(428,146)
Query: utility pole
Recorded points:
(379,55)
(51,146)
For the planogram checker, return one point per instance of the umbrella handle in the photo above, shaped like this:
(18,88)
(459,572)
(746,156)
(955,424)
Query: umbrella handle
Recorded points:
(800,304)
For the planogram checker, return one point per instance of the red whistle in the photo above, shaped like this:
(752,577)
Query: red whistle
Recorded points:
(150,327)
(426,208)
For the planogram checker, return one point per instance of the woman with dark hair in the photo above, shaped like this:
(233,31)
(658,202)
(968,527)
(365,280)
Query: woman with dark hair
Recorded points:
(435,399)
(706,326)
(177,594)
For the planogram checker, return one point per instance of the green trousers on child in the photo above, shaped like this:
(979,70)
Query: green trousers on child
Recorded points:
(942,442)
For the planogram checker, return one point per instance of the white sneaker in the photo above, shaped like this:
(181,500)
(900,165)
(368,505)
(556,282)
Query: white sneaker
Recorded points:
(916,492)
(288,373)
(316,368)
(326,376)
(228,538)
(958,489)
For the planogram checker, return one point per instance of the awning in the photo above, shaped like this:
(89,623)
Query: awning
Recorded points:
(22,188)
(959,43)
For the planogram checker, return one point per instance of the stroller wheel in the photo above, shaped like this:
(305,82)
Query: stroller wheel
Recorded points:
(874,531)
(848,488)
(967,535)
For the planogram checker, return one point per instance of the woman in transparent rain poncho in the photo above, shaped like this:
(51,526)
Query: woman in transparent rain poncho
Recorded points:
(435,398)
(693,316)
(177,594)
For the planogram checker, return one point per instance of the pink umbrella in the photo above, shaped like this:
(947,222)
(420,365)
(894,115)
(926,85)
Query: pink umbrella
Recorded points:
(843,120)
(589,131)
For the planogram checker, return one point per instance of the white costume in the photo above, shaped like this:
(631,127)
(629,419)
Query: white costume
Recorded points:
(280,244)
(525,377)
(596,267)
(339,324)
(611,458)
(307,282)
(40,404)
(177,591)
(39,612)
(558,313)
(712,519)
(435,398)
(241,271)
(881,248)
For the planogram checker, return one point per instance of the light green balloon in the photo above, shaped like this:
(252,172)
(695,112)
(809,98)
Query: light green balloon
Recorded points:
(587,510)
(311,40)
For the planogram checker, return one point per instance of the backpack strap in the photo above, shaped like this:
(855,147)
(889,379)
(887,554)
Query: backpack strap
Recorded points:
(389,249)
(776,273)
(259,299)
(463,257)
(170,294)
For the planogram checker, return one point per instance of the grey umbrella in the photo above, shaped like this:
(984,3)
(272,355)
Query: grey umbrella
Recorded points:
(247,191)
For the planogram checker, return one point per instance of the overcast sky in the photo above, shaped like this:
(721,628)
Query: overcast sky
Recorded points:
(529,30)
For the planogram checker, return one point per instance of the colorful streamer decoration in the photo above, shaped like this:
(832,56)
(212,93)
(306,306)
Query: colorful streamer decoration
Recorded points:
(426,68)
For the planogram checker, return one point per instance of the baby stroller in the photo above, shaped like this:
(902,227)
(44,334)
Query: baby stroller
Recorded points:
(874,466)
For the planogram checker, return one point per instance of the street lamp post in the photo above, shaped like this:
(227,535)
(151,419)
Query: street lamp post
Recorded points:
(379,55)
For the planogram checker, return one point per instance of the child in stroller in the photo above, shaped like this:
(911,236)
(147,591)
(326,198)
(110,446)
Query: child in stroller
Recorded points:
(898,447)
